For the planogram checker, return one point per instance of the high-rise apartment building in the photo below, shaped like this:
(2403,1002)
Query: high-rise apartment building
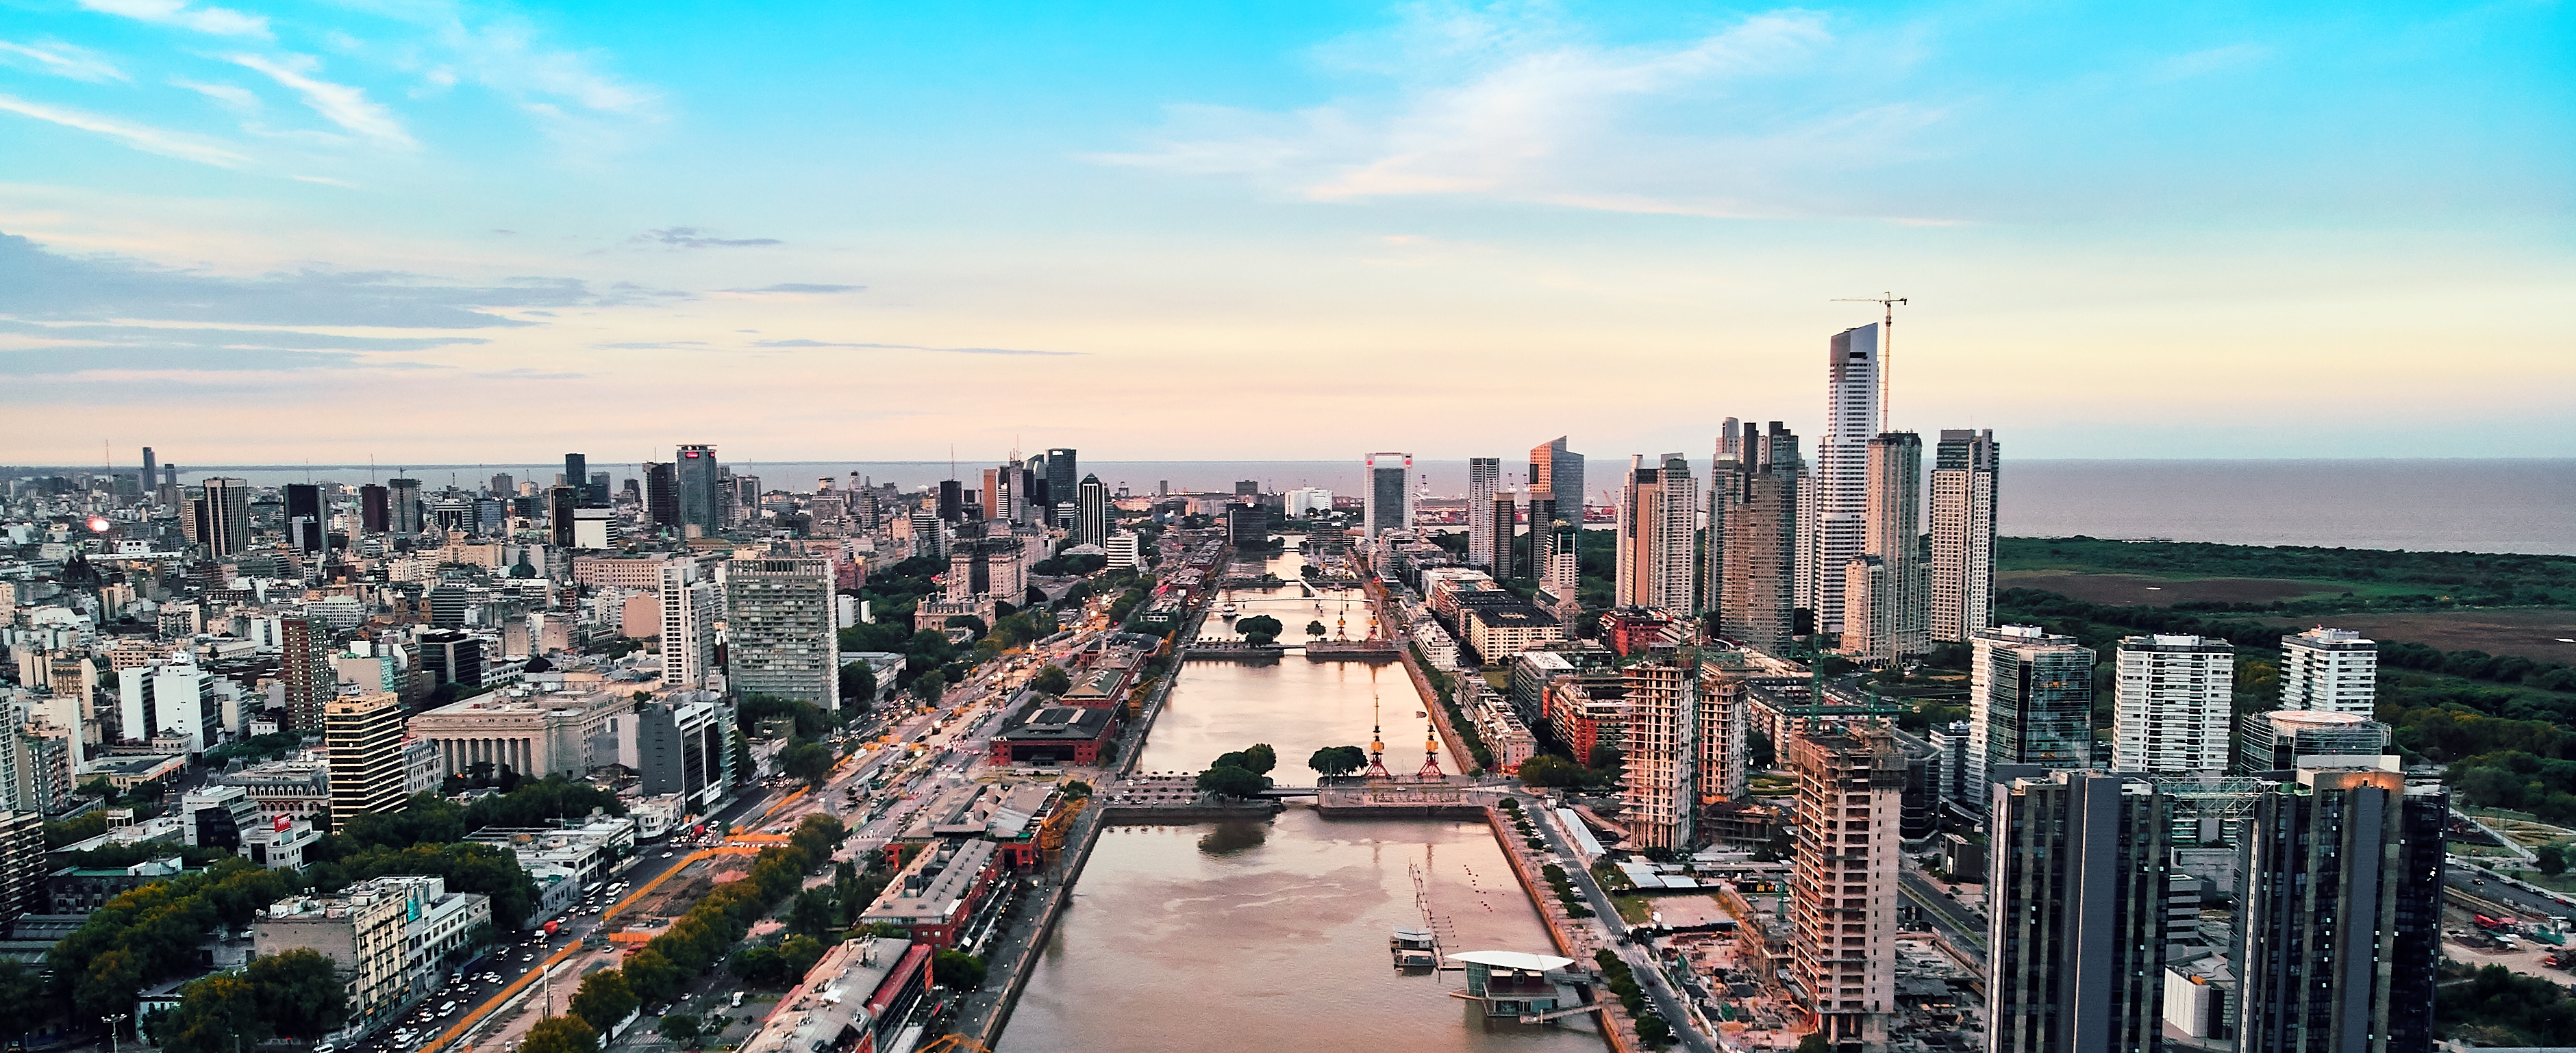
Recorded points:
(2286,739)
(782,642)
(1839,492)
(2076,875)
(1389,504)
(2339,919)
(364,736)
(1723,771)
(2172,702)
(2335,670)
(690,608)
(305,666)
(1883,586)
(1753,537)
(1658,535)
(2030,702)
(1660,784)
(1091,511)
(702,497)
(1559,472)
(1484,479)
(220,517)
(1842,939)
(1511,556)
(1962,577)
(503,484)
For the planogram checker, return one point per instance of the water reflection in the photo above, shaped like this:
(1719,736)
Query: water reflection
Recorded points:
(1226,838)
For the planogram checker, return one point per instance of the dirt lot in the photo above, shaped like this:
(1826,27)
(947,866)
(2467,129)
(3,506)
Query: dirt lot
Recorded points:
(2534,633)
(2160,592)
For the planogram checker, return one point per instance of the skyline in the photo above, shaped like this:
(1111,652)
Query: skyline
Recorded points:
(396,221)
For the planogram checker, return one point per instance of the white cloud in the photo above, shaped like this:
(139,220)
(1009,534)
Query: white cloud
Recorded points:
(238,98)
(148,139)
(341,104)
(218,21)
(1514,106)
(61,60)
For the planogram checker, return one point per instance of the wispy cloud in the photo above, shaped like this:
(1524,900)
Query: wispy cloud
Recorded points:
(915,347)
(2212,60)
(695,238)
(1509,104)
(527,374)
(340,104)
(181,145)
(219,21)
(653,345)
(60,59)
(800,288)
(238,98)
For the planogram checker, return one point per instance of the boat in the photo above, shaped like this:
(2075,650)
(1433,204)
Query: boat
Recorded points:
(1226,609)
(1414,948)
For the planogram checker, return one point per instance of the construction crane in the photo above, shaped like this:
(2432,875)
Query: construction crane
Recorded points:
(1886,339)
(1377,745)
(955,1043)
(1430,771)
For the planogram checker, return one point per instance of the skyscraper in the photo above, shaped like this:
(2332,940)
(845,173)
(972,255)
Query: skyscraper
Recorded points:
(304,665)
(2339,920)
(1753,537)
(1484,477)
(503,485)
(1965,472)
(2030,702)
(661,496)
(1558,471)
(689,611)
(2172,702)
(375,509)
(1511,556)
(222,516)
(1658,535)
(1660,780)
(778,615)
(576,473)
(402,505)
(1389,504)
(702,500)
(1839,494)
(151,476)
(2335,670)
(1091,512)
(1842,943)
(1062,476)
(2076,923)
(364,736)
(560,502)
(1883,585)
(306,521)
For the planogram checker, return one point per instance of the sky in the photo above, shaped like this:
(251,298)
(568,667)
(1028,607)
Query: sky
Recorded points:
(259,232)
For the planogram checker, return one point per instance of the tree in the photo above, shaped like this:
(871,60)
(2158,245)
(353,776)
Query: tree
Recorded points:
(1076,790)
(811,913)
(1607,758)
(681,1029)
(930,685)
(605,995)
(858,684)
(1231,781)
(957,970)
(653,976)
(300,992)
(23,1005)
(2552,858)
(1338,760)
(1051,679)
(797,956)
(1547,769)
(1815,1043)
(969,622)
(1262,758)
(810,761)
(1260,623)
(1315,629)
(1759,752)
(562,1034)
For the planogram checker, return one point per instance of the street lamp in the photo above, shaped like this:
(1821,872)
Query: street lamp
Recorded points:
(111,1021)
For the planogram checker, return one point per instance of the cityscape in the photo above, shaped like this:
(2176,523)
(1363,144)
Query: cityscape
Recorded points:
(1513,527)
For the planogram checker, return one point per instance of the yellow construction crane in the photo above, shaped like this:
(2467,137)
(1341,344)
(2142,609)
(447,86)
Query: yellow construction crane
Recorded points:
(1886,339)
(955,1043)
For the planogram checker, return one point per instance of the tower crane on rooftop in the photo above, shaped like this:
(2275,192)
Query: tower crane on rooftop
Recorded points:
(1886,339)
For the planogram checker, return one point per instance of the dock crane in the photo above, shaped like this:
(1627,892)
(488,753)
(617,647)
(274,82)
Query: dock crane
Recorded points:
(1886,340)
(1377,745)
(1430,770)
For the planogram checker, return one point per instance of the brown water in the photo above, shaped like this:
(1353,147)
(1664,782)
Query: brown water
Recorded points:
(1273,935)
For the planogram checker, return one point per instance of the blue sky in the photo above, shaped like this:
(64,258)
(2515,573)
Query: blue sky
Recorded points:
(258,231)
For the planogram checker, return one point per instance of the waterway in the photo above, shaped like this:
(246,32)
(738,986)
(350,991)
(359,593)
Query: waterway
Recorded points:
(1273,935)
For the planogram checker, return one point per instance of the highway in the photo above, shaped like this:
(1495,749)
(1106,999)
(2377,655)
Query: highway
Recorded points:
(2500,888)
(1962,927)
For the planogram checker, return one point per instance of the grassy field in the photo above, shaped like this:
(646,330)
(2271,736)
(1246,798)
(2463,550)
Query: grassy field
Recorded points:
(2149,572)
(2167,590)
(2540,634)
